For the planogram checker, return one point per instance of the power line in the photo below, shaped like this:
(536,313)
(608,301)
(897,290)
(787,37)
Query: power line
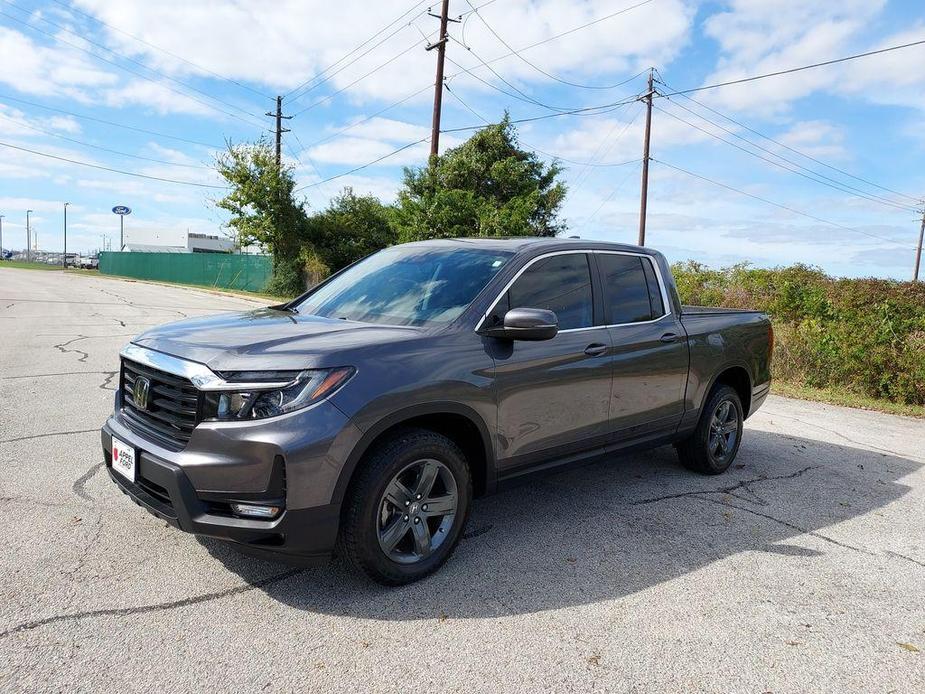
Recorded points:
(109,122)
(370,117)
(776,204)
(836,185)
(794,150)
(541,70)
(795,69)
(567,32)
(523,95)
(586,111)
(102,149)
(612,194)
(359,79)
(363,166)
(131,71)
(106,168)
(74,9)
(290,93)
(537,149)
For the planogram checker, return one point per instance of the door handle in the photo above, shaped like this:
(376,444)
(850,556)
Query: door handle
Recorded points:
(668,337)
(595,349)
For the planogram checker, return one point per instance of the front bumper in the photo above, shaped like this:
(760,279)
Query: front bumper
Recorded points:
(303,536)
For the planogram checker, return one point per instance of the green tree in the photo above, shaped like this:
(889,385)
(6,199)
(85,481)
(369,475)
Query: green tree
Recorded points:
(353,226)
(488,186)
(263,209)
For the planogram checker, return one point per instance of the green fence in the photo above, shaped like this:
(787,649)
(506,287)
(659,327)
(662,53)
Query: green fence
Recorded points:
(245,272)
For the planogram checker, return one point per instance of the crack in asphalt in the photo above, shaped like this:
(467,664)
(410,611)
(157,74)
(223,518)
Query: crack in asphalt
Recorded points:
(787,524)
(51,433)
(173,604)
(62,347)
(60,373)
(156,607)
(906,557)
(866,446)
(79,486)
(108,381)
(743,484)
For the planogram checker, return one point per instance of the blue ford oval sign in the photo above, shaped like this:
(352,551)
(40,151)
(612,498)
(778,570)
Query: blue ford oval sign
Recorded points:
(122,209)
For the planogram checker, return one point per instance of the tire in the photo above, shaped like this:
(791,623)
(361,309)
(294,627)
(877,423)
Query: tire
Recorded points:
(386,526)
(711,449)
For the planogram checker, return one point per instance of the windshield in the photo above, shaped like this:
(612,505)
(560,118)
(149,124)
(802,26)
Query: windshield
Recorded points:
(407,286)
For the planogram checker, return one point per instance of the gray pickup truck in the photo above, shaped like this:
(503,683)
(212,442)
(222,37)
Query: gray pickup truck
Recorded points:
(366,414)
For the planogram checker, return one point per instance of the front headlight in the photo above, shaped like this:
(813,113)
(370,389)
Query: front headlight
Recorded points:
(303,388)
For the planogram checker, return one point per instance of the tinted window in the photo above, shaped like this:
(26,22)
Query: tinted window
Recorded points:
(560,283)
(655,292)
(406,285)
(627,288)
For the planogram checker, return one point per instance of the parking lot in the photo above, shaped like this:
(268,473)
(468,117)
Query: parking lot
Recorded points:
(801,569)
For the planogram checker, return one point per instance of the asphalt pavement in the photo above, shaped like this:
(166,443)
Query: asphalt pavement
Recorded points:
(800,570)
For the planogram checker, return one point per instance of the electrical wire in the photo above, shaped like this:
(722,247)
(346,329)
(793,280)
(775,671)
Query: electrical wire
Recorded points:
(565,33)
(613,192)
(341,131)
(131,71)
(541,70)
(837,186)
(289,94)
(363,166)
(586,111)
(109,122)
(530,146)
(792,149)
(106,168)
(102,149)
(72,8)
(776,204)
(795,69)
(358,79)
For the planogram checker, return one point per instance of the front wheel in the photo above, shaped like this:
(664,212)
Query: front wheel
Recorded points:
(405,512)
(713,445)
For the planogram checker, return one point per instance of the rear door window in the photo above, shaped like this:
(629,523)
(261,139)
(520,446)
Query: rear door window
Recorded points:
(560,283)
(631,289)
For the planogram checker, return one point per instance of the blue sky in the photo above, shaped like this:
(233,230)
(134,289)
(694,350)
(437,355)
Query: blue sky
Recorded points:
(196,74)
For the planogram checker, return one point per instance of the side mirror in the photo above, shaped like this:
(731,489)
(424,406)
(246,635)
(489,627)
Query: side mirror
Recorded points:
(532,324)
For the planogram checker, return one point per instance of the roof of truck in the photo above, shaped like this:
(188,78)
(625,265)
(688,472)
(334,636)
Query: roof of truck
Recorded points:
(516,244)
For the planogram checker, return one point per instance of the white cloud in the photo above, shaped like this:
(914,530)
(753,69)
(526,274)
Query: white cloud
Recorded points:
(45,70)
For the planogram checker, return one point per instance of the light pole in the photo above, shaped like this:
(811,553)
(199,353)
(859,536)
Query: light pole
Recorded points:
(65,235)
(28,238)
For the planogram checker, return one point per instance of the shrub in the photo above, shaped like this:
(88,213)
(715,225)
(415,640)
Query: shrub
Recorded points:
(862,335)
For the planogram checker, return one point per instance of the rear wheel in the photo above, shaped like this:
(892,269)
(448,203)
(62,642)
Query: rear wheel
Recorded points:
(406,510)
(715,442)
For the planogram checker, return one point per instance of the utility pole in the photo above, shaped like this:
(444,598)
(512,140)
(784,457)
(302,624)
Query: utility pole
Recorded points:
(644,188)
(64,260)
(918,253)
(279,129)
(2,257)
(28,238)
(440,45)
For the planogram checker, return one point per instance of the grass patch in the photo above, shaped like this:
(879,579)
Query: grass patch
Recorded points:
(845,398)
(23,265)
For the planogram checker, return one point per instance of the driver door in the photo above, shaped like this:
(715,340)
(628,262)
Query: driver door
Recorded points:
(553,395)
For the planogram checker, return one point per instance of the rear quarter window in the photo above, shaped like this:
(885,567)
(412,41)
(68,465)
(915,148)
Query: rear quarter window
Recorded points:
(631,290)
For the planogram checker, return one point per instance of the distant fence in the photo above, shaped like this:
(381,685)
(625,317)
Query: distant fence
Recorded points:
(221,270)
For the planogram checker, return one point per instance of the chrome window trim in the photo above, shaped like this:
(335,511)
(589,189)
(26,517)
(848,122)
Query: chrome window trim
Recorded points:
(666,305)
(201,376)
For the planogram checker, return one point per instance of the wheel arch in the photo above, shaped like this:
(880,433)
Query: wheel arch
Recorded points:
(737,377)
(460,423)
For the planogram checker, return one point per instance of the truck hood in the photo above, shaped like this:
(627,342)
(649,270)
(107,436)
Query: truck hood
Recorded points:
(268,339)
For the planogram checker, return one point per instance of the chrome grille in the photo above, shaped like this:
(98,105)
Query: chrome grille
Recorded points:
(173,408)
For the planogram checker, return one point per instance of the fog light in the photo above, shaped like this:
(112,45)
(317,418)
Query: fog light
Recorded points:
(255,511)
